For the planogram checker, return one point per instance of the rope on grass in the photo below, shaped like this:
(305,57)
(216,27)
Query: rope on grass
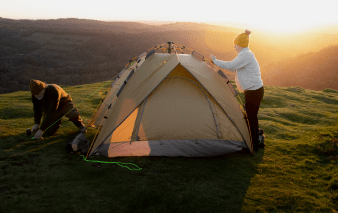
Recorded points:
(125,165)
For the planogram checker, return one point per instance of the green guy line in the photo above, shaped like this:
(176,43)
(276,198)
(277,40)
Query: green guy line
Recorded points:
(118,163)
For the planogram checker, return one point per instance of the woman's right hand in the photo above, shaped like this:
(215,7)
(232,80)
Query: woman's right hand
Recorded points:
(213,57)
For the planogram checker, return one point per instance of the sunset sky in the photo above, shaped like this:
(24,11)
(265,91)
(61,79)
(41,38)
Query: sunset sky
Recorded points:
(275,16)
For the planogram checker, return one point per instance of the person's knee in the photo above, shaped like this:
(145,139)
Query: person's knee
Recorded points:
(74,114)
(51,130)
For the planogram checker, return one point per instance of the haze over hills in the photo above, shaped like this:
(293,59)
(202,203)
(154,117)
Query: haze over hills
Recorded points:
(316,71)
(78,51)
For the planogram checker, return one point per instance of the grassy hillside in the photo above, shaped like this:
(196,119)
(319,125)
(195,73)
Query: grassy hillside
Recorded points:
(297,171)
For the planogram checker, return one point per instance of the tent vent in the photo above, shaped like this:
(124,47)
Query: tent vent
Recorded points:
(109,106)
(105,117)
(197,55)
(141,56)
(125,82)
(120,74)
(150,53)
(122,87)
(129,76)
(223,76)
(115,80)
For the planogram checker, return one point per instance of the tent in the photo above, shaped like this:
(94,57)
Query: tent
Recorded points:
(170,104)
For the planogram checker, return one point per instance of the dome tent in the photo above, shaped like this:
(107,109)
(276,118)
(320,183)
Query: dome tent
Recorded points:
(170,104)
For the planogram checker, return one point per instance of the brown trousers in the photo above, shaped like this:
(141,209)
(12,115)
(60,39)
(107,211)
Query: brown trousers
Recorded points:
(253,100)
(70,112)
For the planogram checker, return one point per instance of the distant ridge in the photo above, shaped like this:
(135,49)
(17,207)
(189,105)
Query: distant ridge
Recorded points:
(79,51)
(316,71)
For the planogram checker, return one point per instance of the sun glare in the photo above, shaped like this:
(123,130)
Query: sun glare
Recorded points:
(287,16)
(282,27)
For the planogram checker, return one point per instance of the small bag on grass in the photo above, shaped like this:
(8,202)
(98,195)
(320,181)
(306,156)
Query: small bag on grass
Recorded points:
(261,137)
(79,144)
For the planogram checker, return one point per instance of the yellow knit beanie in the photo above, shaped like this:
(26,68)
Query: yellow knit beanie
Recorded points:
(36,86)
(243,39)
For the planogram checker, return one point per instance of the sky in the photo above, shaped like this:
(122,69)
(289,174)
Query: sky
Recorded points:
(271,15)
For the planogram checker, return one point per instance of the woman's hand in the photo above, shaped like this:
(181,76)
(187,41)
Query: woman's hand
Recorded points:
(213,57)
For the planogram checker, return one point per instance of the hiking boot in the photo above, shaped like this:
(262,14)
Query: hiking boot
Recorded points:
(260,131)
(261,143)
(83,129)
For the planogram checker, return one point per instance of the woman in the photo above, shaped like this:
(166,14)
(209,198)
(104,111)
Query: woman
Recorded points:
(248,79)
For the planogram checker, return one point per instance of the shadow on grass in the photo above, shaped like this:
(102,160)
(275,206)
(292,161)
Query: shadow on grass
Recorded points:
(16,145)
(215,184)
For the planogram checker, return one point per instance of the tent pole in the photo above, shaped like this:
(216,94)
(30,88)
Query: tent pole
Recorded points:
(169,47)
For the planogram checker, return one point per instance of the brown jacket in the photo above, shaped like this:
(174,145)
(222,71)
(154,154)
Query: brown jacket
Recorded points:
(54,99)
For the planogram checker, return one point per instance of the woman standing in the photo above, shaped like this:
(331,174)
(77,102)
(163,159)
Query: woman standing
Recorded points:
(248,79)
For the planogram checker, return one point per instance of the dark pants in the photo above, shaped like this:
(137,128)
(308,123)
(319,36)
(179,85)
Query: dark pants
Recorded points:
(253,100)
(70,112)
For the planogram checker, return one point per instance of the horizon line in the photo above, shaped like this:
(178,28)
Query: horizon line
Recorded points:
(236,25)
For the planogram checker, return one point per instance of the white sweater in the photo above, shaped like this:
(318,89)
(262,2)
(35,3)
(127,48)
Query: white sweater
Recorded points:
(246,67)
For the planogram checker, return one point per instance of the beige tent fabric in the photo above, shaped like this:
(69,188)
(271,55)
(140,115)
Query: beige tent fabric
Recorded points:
(219,89)
(179,110)
(143,82)
(173,98)
(124,132)
(170,113)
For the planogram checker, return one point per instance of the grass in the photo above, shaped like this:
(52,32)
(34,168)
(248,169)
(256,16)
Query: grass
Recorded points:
(296,172)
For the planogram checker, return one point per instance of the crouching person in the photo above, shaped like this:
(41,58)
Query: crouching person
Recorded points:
(52,101)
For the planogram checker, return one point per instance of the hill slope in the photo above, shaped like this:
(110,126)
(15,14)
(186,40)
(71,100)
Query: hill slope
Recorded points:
(315,71)
(295,172)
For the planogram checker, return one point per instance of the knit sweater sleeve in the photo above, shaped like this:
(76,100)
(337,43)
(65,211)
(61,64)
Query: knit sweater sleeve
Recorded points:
(238,63)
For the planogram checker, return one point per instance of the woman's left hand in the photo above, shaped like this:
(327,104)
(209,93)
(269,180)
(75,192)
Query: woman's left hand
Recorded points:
(213,57)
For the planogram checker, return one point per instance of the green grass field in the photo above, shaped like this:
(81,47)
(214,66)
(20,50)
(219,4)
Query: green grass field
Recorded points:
(296,172)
